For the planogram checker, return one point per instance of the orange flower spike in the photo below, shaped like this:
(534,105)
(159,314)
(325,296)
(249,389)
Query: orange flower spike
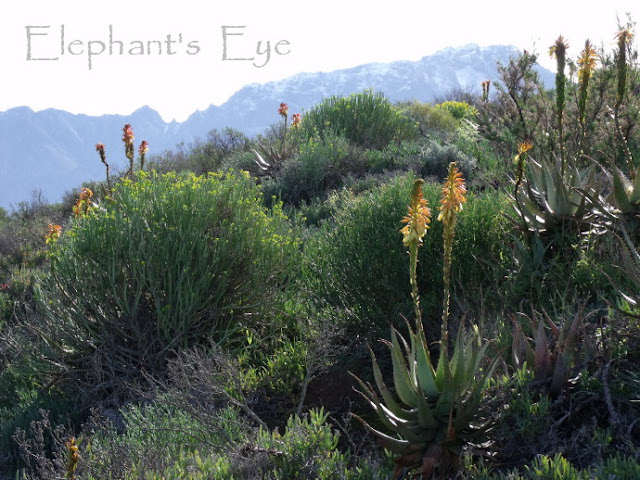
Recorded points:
(127,138)
(453,194)
(85,194)
(143,148)
(100,148)
(296,119)
(418,218)
(54,233)
(524,147)
(283,110)
(127,135)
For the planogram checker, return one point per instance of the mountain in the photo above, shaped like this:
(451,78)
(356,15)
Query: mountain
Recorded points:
(54,151)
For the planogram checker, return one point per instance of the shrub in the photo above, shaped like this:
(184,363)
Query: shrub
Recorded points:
(321,166)
(430,120)
(459,110)
(202,156)
(366,119)
(173,261)
(308,450)
(438,157)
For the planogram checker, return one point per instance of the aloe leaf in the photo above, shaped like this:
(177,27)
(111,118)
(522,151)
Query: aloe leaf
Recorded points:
(553,187)
(396,442)
(447,394)
(458,362)
(442,361)
(535,215)
(518,344)
(388,398)
(425,373)
(402,381)
(559,376)
(426,418)
(634,198)
(620,185)
(542,359)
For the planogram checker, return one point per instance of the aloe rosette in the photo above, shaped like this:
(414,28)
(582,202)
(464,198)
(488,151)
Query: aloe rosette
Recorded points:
(434,411)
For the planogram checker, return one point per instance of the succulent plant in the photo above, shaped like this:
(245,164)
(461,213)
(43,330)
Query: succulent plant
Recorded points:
(625,193)
(548,197)
(437,409)
(552,359)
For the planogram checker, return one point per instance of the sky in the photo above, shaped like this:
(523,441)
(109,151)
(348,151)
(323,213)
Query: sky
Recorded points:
(182,56)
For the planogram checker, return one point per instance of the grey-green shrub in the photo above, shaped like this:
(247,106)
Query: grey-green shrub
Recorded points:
(172,261)
(321,166)
(308,449)
(367,119)
(436,160)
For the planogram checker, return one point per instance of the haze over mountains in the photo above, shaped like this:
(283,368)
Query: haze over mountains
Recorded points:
(54,151)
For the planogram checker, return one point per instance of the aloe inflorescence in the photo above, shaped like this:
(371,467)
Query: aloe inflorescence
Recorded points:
(435,409)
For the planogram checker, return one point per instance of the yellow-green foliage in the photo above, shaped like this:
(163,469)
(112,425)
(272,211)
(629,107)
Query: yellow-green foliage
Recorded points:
(458,110)
(429,117)
(171,261)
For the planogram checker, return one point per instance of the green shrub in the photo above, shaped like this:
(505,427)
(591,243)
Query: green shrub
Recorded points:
(357,264)
(6,308)
(366,119)
(171,262)
(619,468)
(554,468)
(202,156)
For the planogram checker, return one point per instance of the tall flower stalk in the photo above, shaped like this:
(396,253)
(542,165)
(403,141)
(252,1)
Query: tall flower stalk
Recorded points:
(624,37)
(587,64)
(417,222)
(559,50)
(453,196)
(127,138)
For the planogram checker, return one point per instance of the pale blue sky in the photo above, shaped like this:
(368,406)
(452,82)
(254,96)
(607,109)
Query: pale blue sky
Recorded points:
(186,69)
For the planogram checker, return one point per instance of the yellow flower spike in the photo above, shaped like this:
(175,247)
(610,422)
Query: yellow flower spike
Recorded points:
(453,196)
(453,193)
(419,216)
(417,222)
(54,233)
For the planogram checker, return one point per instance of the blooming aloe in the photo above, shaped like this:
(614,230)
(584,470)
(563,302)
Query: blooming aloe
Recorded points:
(435,409)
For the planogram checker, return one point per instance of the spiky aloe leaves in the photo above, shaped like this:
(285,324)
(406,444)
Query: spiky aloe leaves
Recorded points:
(431,407)
(550,196)
(626,193)
(552,358)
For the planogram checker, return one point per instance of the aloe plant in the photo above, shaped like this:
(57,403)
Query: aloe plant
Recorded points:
(269,157)
(548,197)
(552,358)
(435,409)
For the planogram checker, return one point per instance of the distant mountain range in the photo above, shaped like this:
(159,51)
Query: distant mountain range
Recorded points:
(54,151)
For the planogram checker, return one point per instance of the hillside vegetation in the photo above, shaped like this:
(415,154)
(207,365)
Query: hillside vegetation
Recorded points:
(367,290)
